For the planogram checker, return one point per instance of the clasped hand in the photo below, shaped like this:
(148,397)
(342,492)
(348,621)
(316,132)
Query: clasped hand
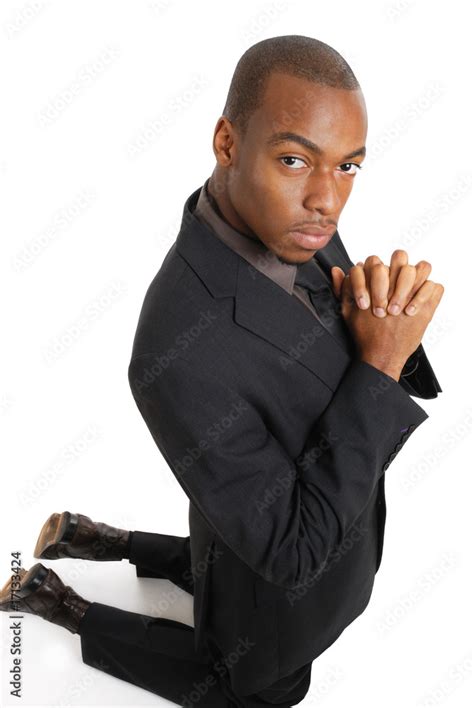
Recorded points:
(387,289)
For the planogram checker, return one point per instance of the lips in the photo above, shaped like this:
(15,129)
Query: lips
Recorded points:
(311,240)
(313,232)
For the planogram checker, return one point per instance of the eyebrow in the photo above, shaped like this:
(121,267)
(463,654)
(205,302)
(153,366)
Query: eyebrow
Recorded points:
(288,137)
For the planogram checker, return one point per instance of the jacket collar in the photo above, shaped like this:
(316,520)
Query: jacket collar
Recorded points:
(249,247)
(261,306)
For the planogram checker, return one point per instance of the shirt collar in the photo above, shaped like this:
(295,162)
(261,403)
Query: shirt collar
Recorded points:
(253,250)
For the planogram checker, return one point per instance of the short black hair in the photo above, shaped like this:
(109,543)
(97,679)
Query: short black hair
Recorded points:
(293,54)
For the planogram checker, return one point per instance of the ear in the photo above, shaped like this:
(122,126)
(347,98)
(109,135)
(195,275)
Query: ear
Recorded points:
(337,275)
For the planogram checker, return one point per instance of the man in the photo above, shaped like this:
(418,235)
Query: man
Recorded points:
(275,377)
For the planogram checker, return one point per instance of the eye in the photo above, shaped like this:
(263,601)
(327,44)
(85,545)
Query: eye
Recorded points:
(292,157)
(351,164)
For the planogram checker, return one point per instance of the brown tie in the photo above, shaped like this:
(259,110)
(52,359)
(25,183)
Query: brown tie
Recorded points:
(311,276)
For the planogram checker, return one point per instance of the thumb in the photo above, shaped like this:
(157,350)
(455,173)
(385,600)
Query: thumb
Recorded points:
(337,275)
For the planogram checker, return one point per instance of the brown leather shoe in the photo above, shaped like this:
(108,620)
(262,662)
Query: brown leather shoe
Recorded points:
(41,592)
(69,535)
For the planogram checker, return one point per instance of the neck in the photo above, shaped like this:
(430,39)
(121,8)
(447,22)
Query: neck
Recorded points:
(221,201)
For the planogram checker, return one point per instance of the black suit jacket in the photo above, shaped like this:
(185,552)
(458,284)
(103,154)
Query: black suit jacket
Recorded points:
(280,438)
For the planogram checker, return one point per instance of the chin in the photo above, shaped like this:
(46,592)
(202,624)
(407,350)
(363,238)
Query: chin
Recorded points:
(296,261)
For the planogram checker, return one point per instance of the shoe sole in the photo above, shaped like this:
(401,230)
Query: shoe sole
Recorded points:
(58,528)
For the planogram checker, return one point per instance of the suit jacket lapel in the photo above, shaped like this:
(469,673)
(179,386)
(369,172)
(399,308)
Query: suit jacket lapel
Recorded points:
(268,311)
(261,306)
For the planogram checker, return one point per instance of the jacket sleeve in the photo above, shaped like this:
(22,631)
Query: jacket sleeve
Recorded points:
(280,516)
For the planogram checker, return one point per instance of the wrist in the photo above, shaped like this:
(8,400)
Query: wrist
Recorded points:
(389,368)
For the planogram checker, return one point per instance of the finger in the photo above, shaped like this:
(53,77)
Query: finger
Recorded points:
(423,270)
(369,263)
(403,289)
(428,289)
(398,259)
(438,294)
(379,281)
(359,288)
(430,293)
(346,291)
(338,276)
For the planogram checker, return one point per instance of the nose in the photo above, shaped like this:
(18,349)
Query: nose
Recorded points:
(322,194)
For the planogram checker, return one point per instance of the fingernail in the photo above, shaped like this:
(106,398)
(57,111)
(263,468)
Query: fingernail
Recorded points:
(363,302)
(394,309)
(380,312)
(410,310)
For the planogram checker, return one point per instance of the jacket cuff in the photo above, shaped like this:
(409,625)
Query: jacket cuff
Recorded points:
(389,402)
(418,378)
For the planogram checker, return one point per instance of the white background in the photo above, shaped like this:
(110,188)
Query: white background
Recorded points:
(108,111)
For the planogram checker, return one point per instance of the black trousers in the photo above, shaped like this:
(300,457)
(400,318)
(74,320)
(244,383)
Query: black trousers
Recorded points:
(158,654)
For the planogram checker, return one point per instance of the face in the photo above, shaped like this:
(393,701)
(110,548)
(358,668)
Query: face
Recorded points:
(293,171)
